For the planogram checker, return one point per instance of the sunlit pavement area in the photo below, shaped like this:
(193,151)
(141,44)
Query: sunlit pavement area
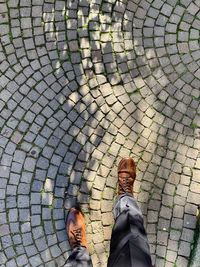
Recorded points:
(83,84)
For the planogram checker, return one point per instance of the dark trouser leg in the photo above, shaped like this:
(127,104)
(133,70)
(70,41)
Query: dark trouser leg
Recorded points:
(129,245)
(79,258)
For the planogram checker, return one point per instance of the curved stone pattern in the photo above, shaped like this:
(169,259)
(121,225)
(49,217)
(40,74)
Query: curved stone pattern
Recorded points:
(84,83)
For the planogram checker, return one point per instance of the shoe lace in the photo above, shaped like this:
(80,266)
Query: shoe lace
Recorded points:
(125,185)
(77,236)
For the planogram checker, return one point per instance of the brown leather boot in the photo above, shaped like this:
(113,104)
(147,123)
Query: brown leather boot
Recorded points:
(75,226)
(126,176)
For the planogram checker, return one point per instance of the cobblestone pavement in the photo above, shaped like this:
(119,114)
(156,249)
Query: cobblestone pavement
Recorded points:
(84,83)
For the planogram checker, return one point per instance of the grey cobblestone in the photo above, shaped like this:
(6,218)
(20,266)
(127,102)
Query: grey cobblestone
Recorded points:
(83,84)
(184,249)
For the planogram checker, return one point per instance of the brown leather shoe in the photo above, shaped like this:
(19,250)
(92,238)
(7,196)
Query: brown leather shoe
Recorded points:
(75,226)
(126,175)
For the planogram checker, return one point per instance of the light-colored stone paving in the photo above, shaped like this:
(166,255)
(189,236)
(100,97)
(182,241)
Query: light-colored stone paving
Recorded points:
(84,83)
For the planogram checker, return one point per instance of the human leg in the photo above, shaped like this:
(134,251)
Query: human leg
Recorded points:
(129,245)
(79,258)
(75,226)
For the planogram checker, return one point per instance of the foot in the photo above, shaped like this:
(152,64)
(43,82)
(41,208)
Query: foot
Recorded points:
(126,176)
(75,226)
